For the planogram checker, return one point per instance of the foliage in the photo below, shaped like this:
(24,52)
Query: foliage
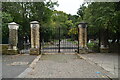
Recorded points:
(23,13)
(74,33)
(81,11)
(6,18)
(103,20)
(50,20)
(93,46)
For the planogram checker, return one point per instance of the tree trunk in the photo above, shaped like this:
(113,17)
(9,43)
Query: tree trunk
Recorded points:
(118,37)
(99,38)
(104,37)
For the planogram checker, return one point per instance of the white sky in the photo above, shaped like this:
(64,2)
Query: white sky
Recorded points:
(69,6)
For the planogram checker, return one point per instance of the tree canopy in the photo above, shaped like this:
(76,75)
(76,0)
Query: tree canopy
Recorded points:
(103,20)
(24,12)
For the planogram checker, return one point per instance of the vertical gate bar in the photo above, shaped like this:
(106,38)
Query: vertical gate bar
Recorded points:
(59,40)
(52,46)
(68,45)
(54,43)
(78,39)
(73,43)
(65,48)
(55,40)
(40,41)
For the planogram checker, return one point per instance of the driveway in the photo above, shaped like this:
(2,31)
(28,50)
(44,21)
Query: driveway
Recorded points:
(108,61)
(13,65)
(66,66)
(0,66)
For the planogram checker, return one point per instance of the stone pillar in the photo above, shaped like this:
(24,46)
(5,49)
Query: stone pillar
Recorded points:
(13,37)
(82,35)
(35,38)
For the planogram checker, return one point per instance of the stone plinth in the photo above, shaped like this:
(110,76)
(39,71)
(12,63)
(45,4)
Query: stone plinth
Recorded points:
(104,49)
(13,37)
(35,38)
(34,51)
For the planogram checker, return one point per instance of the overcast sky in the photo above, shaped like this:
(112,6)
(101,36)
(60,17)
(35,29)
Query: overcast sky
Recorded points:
(69,6)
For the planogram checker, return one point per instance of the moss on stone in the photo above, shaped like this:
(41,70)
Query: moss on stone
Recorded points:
(104,50)
(5,50)
(34,51)
(12,52)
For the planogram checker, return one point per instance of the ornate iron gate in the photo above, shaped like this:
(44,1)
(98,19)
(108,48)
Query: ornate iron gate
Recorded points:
(59,40)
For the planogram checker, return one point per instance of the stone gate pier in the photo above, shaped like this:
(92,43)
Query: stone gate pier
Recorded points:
(82,32)
(13,38)
(35,38)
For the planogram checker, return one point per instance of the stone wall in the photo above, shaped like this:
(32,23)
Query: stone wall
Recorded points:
(4,50)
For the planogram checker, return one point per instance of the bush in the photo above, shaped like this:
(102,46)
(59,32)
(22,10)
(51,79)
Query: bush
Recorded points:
(93,46)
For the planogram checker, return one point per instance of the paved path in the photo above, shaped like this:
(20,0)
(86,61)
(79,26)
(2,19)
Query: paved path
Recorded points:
(0,66)
(13,65)
(65,66)
(108,61)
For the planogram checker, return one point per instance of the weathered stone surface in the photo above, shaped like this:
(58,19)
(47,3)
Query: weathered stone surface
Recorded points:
(34,51)
(4,48)
(82,35)
(35,34)
(104,50)
(82,38)
(12,52)
(13,38)
(35,38)
(83,51)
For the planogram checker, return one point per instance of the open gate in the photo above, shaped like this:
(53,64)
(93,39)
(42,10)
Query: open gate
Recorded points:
(59,40)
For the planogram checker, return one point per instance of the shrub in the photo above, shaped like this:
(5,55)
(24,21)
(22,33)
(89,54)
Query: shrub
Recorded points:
(93,46)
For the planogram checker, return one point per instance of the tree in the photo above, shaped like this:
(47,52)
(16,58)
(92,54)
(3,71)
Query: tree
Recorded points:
(103,19)
(6,18)
(24,12)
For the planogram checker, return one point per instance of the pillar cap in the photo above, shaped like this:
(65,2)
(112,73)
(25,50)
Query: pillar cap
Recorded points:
(82,24)
(34,22)
(13,25)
